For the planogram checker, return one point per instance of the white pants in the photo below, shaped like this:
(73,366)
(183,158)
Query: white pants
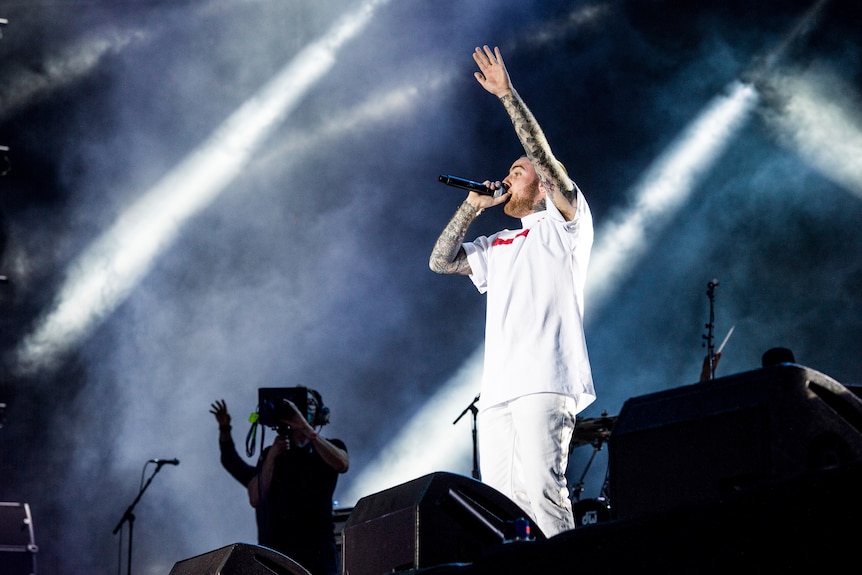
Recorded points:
(524,452)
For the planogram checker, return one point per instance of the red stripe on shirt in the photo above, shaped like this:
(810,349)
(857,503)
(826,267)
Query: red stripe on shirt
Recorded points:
(501,242)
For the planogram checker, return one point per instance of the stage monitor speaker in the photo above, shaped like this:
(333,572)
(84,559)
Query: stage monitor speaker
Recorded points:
(339,518)
(433,520)
(239,559)
(17,543)
(704,442)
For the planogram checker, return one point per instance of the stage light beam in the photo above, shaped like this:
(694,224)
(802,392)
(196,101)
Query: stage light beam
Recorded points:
(103,276)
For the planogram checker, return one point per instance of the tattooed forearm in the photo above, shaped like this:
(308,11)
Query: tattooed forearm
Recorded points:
(448,256)
(527,129)
(536,144)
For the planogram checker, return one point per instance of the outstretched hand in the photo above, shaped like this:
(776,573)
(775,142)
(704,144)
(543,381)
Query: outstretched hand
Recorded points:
(219,409)
(492,74)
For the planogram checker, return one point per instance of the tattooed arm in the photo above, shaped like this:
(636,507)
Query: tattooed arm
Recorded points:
(448,255)
(494,77)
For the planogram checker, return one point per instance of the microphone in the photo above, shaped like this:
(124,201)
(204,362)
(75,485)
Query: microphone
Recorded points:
(173,461)
(472,186)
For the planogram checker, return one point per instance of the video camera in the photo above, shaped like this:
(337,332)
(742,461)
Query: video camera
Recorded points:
(272,408)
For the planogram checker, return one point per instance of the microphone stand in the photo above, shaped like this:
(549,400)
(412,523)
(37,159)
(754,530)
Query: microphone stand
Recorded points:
(130,517)
(474,410)
(710,292)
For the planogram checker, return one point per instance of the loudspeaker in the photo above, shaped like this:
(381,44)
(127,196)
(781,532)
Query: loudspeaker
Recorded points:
(239,559)
(433,520)
(17,543)
(708,441)
(339,518)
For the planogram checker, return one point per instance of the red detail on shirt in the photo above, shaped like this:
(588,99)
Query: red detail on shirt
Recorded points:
(501,242)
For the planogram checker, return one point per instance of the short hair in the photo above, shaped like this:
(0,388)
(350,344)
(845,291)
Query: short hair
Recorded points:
(776,355)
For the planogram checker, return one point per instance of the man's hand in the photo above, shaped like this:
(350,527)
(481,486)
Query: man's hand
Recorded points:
(492,73)
(219,409)
(481,201)
(280,444)
(296,420)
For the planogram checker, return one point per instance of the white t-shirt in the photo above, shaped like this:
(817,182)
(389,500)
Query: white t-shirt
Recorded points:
(534,331)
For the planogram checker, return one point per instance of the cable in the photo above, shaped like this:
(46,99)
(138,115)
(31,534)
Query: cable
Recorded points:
(250,437)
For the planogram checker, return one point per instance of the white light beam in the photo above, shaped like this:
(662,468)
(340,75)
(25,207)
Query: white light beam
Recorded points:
(99,280)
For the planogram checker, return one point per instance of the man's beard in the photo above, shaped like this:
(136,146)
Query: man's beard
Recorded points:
(525,204)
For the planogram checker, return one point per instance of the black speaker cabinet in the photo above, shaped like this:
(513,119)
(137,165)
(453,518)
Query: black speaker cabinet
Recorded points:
(17,543)
(436,519)
(339,518)
(239,559)
(703,442)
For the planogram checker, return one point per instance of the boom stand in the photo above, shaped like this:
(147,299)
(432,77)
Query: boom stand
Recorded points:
(474,410)
(130,517)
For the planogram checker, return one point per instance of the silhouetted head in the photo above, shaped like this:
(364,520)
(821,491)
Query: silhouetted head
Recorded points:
(776,355)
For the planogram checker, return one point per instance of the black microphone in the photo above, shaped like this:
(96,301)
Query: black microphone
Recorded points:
(173,461)
(472,186)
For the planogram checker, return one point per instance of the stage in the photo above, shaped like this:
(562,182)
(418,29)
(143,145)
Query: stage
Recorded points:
(759,470)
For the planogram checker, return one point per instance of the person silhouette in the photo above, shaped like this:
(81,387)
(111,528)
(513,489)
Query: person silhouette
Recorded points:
(776,356)
(291,486)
